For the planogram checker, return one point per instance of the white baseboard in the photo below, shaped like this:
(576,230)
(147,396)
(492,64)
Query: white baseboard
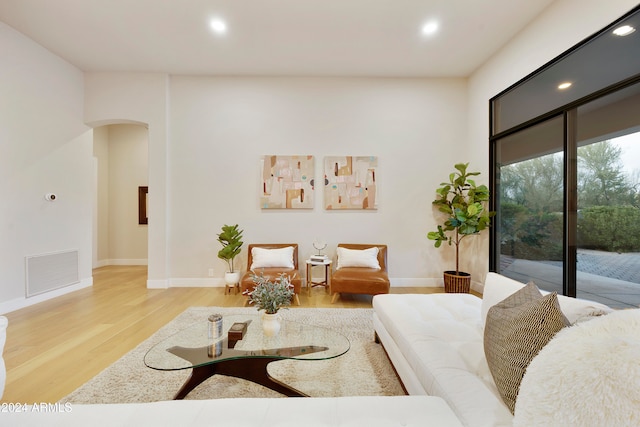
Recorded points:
(176,282)
(428,283)
(408,282)
(18,303)
(477,286)
(101,263)
(208,282)
(141,261)
(157,284)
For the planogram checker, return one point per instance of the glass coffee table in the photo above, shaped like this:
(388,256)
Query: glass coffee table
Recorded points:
(247,358)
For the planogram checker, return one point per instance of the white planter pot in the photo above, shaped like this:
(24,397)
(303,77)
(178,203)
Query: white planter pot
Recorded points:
(270,324)
(232,278)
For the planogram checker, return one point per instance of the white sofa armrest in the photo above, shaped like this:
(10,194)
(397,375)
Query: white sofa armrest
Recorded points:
(355,411)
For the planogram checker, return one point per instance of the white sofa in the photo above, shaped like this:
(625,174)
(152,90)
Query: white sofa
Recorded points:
(435,343)
(370,411)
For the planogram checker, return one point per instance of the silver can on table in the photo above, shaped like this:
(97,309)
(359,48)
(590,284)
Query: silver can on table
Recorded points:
(215,326)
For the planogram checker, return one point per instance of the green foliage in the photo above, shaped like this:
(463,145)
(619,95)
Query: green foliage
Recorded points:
(463,204)
(271,296)
(231,241)
(529,235)
(609,228)
(536,183)
(601,177)
(531,204)
(538,236)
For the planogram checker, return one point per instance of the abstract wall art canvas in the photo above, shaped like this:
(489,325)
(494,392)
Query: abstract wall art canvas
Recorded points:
(287,182)
(350,182)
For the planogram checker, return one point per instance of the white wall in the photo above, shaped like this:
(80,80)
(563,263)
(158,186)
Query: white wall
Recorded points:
(142,99)
(220,127)
(128,169)
(44,147)
(101,208)
(122,155)
(217,129)
(562,25)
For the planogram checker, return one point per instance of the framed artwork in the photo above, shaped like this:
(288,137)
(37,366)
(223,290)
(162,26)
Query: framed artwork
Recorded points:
(287,182)
(142,205)
(350,182)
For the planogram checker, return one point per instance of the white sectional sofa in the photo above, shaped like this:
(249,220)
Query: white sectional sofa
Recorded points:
(370,411)
(355,411)
(435,343)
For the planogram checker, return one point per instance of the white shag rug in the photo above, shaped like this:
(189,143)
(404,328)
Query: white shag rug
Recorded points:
(363,371)
(588,375)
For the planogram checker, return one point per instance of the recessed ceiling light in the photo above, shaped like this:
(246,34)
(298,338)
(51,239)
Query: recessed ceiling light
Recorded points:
(564,85)
(218,26)
(430,28)
(625,30)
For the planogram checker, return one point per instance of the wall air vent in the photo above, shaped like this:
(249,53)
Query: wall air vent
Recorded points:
(47,272)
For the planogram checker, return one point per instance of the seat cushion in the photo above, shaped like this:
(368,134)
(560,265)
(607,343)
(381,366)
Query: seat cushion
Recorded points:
(360,280)
(272,273)
(440,337)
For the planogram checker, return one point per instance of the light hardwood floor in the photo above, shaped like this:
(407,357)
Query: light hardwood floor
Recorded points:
(56,346)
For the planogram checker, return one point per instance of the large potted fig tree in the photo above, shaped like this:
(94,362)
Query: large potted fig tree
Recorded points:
(464,208)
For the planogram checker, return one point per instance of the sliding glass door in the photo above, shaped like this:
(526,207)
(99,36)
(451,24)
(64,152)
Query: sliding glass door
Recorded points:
(608,181)
(565,171)
(530,209)
(574,233)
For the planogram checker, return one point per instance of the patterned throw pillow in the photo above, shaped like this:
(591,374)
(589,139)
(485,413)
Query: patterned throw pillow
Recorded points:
(516,329)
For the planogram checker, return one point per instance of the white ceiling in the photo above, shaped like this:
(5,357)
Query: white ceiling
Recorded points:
(273,37)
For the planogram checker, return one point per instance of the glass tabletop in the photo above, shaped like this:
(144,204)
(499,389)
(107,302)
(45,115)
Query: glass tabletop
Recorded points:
(191,347)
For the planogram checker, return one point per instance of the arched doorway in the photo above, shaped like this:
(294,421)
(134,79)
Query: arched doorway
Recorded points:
(121,168)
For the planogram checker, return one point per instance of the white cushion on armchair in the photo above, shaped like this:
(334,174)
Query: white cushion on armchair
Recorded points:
(4,322)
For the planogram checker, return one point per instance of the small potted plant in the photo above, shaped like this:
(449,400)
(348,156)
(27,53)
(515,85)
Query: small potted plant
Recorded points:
(464,205)
(231,241)
(271,297)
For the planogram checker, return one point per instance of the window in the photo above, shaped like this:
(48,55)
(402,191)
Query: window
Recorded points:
(565,173)
(530,207)
(608,203)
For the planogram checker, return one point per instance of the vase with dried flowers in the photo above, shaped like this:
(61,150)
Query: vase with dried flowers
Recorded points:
(270,296)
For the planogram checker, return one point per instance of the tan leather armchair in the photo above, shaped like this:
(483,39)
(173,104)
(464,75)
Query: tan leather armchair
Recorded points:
(246,283)
(361,280)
